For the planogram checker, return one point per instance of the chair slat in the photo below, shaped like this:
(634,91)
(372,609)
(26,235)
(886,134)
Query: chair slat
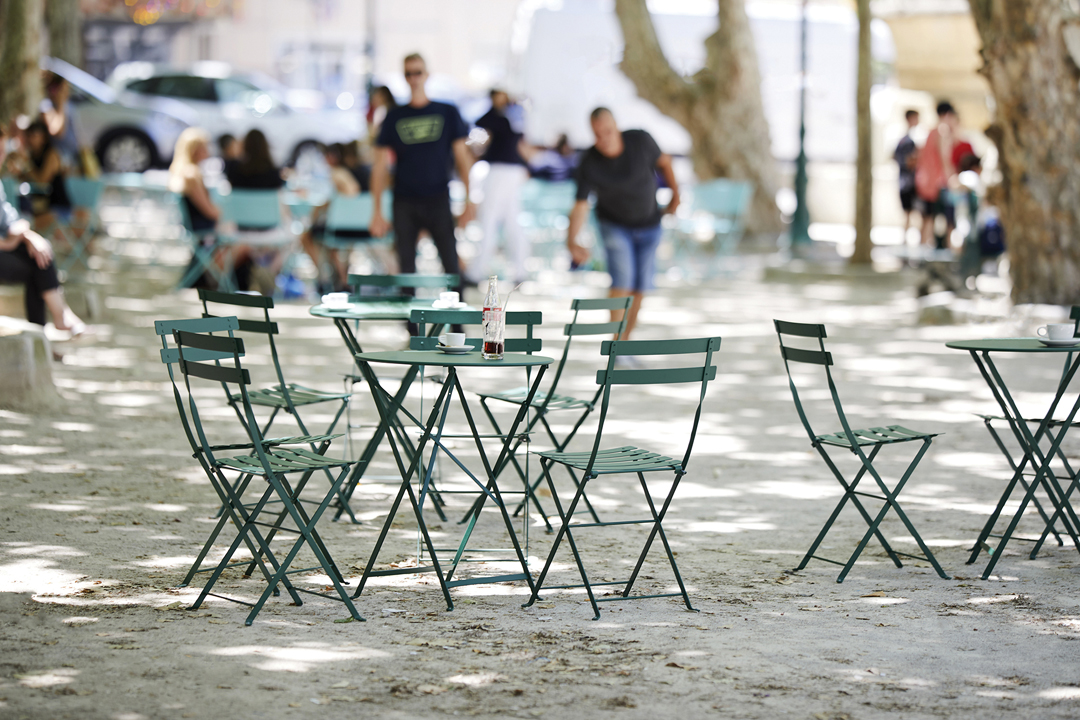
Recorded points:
(201,325)
(662,347)
(657,376)
(800,329)
(582,329)
(816,357)
(209,342)
(615,303)
(405,280)
(219,373)
(171,355)
(238,299)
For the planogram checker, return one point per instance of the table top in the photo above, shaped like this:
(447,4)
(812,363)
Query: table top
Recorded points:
(437,358)
(1008,345)
(384,309)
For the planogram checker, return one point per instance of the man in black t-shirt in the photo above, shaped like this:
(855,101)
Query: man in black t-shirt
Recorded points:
(620,171)
(426,138)
(507,174)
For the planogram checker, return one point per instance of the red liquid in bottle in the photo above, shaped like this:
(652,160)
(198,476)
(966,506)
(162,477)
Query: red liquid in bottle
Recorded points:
(493,348)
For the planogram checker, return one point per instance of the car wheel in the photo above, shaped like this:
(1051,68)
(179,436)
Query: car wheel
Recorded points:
(126,151)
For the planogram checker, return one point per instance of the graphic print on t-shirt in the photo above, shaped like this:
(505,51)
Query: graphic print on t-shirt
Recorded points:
(422,129)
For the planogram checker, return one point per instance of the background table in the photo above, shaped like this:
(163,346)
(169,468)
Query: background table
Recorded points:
(410,465)
(361,309)
(981,351)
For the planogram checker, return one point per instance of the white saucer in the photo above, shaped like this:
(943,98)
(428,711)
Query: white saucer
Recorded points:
(336,306)
(455,349)
(1059,343)
(440,305)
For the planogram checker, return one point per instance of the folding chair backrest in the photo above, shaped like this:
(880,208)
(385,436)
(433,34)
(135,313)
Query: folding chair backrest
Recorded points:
(423,317)
(349,213)
(226,371)
(1074,315)
(576,328)
(252,209)
(697,373)
(84,193)
(819,357)
(170,356)
(393,284)
(264,326)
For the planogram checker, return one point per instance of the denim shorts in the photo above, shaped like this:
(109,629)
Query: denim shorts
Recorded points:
(631,255)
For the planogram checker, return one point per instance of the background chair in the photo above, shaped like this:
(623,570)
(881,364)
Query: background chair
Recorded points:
(854,441)
(629,459)
(85,196)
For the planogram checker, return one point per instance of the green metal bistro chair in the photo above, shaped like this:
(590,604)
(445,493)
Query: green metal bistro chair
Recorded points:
(282,397)
(551,401)
(400,286)
(272,459)
(629,460)
(425,340)
(855,441)
(204,247)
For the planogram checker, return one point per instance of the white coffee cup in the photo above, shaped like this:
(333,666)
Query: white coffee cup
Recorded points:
(452,339)
(336,299)
(448,298)
(1057,331)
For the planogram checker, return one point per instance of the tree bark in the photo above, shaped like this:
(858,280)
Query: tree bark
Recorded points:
(864,163)
(720,106)
(1034,76)
(20,87)
(65,30)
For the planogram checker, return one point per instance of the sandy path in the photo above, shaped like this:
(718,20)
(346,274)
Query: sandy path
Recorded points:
(102,510)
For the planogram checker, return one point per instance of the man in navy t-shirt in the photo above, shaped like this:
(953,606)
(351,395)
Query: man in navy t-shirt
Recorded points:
(428,138)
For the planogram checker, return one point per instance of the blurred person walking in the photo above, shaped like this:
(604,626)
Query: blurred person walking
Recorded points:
(620,171)
(906,155)
(425,136)
(502,191)
(935,174)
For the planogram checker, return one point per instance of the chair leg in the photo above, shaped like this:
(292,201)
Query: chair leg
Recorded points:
(891,502)
(564,529)
(849,494)
(658,528)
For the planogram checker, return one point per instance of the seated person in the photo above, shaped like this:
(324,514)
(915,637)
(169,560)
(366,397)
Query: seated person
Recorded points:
(231,151)
(45,170)
(344,184)
(255,170)
(26,259)
(186,180)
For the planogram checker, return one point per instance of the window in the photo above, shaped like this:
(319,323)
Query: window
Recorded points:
(186,87)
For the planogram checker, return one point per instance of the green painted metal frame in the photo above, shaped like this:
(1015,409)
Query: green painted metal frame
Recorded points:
(410,464)
(854,441)
(427,340)
(1040,462)
(628,459)
(271,459)
(202,253)
(284,396)
(551,401)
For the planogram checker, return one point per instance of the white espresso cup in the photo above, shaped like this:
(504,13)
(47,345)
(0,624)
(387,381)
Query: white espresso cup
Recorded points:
(336,299)
(452,339)
(1057,331)
(449,298)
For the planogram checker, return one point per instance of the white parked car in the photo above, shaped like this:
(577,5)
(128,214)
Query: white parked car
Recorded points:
(227,101)
(127,136)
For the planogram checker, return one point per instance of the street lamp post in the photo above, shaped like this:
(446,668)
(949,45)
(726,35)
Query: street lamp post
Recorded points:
(800,221)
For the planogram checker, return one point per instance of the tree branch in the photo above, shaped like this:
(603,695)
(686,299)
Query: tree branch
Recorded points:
(645,64)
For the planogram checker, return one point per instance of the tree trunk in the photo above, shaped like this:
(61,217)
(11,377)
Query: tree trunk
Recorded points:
(720,106)
(20,87)
(864,162)
(1033,75)
(65,30)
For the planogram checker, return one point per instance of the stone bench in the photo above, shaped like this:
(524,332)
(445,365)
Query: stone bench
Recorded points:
(25,355)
